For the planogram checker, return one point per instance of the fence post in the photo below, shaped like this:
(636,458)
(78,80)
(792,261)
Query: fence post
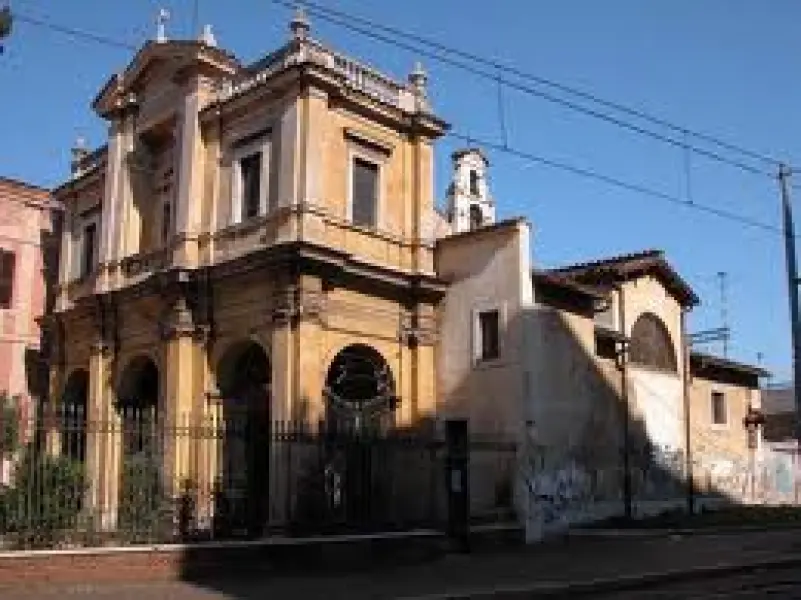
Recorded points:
(457,458)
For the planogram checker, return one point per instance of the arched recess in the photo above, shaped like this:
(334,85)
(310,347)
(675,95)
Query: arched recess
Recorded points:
(651,344)
(137,403)
(476,217)
(359,389)
(243,379)
(74,406)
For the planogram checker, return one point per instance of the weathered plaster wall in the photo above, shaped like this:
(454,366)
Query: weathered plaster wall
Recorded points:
(486,269)
(25,222)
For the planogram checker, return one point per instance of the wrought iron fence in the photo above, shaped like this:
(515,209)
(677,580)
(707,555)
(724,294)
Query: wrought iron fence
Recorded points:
(138,477)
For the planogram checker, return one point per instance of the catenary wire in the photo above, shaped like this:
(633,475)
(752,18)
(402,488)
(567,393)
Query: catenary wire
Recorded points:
(73,32)
(505,148)
(346,20)
(615,182)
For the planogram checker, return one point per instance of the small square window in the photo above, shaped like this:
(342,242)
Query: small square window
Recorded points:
(250,174)
(719,416)
(7,263)
(89,249)
(489,334)
(364,194)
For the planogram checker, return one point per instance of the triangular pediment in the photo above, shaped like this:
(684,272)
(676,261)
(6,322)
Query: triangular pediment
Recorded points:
(157,62)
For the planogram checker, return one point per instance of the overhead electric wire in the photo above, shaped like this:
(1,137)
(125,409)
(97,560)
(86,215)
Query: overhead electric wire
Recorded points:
(73,32)
(346,20)
(615,182)
(505,148)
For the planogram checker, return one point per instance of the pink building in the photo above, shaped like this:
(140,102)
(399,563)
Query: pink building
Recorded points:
(27,224)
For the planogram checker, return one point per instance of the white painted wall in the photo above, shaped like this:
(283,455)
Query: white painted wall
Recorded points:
(488,268)
(658,399)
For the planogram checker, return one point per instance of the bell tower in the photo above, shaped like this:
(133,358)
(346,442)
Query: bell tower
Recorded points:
(470,205)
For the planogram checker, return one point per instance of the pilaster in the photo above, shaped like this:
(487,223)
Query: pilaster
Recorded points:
(190,176)
(118,196)
(183,338)
(418,335)
(309,350)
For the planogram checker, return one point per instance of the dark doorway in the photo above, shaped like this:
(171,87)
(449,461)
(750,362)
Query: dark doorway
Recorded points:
(242,489)
(73,407)
(143,513)
(359,456)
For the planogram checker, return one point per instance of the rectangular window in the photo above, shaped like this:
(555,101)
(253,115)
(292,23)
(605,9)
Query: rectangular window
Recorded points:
(474,183)
(250,173)
(364,194)
(166,221)
(719,416)
(89,249)
(489,334)
(7,263)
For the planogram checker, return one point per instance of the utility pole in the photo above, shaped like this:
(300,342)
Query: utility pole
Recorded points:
(792,282)
(724,313)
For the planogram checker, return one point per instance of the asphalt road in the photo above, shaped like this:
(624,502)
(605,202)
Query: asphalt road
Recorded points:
(752,585)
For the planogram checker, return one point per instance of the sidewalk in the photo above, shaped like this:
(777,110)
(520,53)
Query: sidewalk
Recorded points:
(590,564)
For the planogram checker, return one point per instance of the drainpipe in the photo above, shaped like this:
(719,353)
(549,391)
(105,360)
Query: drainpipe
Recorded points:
(688,464)
(624,380)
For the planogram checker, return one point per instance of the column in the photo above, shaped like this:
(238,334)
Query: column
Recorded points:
(65,259)
(117,195)
(190,177)
(283,359)
(50,431)
(309,374)
(178,396)
(100,436)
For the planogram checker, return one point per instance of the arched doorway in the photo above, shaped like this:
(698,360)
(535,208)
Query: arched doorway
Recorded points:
(137,404)
(358,459)
(243,378)
(73,407)
(142,497)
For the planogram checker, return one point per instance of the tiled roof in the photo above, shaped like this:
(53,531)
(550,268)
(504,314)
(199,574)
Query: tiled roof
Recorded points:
(630,266)
(610,262)
(556,280)
(702,359)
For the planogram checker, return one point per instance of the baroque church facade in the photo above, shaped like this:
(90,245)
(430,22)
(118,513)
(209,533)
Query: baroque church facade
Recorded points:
(264,240)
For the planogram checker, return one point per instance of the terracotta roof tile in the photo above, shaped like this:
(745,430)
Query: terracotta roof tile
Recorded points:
(630,266)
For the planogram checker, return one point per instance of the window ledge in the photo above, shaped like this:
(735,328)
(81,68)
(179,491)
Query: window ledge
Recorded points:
(244,227)
(491,363)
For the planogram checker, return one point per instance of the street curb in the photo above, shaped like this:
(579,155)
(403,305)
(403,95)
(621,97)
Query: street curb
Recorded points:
(686,531)
(614,584)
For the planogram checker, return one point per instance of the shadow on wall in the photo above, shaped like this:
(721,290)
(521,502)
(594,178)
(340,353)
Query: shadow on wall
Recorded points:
(582,457)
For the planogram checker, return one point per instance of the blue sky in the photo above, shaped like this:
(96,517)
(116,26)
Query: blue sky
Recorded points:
(725,67)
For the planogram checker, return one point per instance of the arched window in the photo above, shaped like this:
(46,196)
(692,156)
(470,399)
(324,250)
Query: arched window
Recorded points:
(359,388)
(476,218)
(651,344)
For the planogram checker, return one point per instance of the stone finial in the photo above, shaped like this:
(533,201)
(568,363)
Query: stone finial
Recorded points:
(78,152)
(207,37)
(161,25)
(418,78)
(299,25)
